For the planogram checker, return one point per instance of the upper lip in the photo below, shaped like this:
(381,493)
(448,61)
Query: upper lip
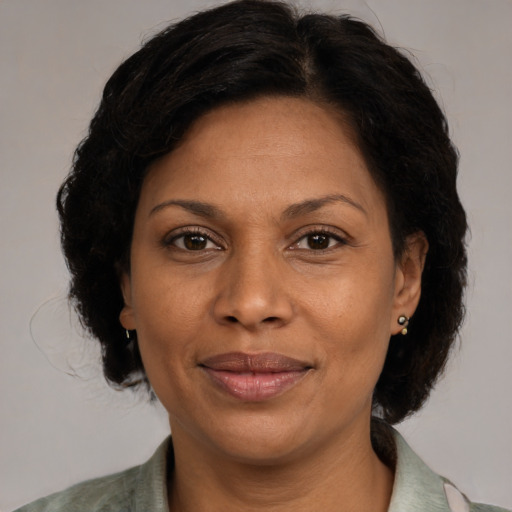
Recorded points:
(268,362)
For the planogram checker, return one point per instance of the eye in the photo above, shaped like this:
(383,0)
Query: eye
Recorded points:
(318,241)
(193,241)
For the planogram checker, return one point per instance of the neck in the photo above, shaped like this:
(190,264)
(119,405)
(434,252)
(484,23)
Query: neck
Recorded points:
(345,474)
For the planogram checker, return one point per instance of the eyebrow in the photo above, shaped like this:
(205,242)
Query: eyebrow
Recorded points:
(311,205)
(197,207)
(210,211)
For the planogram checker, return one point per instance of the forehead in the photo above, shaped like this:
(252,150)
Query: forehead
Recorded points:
(269,151)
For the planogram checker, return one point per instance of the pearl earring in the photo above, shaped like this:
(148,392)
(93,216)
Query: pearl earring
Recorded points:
(404,322)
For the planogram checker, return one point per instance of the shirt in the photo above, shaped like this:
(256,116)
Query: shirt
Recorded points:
(143,488)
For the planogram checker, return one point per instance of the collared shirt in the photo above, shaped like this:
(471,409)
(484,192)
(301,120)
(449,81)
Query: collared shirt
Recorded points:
(144,489)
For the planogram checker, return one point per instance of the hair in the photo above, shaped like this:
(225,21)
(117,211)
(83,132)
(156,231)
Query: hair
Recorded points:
(233,53)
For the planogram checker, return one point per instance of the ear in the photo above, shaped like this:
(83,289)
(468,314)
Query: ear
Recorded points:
(127,316)
(408,278)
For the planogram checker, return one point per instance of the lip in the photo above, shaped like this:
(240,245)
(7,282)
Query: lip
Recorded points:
(254,377)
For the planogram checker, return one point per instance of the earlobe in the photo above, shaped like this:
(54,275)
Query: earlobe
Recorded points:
(408,279)
(126,317)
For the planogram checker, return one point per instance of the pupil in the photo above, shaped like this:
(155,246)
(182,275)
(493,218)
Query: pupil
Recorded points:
(195,242)
(318,241)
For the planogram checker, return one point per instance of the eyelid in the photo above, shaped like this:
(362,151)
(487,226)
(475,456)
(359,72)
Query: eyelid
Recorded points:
(330,231)
(169,238)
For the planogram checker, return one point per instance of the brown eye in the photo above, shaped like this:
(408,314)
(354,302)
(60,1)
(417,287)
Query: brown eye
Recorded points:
(318,241)
(193,242)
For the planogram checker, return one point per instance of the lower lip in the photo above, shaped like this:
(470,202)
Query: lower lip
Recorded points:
(255,387)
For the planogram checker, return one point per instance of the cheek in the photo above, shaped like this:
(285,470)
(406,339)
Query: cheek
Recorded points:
(165,301)
(169,315)
(351,321)
(167,327)
(358,308)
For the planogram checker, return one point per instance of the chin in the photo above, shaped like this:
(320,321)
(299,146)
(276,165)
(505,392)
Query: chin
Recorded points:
(266,439)
(264,449)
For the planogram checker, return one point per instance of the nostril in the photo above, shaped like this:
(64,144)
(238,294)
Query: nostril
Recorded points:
(269,320)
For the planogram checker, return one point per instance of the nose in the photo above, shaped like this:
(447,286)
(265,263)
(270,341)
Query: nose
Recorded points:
(253,293)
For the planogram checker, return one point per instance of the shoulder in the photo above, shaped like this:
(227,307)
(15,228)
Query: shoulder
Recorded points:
(418,489)
(112,493)
(458,502)
(480,507)
(138,489)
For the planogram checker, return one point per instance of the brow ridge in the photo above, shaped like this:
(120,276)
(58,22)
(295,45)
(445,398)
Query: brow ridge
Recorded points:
(209,211)
(311,205)
(197,207)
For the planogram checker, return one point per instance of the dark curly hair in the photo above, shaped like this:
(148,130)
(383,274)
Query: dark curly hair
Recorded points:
(235,52)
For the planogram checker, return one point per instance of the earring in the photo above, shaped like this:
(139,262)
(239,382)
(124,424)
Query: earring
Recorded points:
(129,337)
(404,322)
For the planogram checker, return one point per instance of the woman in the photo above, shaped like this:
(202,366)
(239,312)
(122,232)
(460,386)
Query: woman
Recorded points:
(263,226)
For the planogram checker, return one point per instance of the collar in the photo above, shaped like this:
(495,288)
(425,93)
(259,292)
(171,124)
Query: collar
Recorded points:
(416,487)
(151,484)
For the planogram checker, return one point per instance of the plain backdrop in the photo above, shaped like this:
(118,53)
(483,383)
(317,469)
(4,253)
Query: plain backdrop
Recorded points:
(59,422)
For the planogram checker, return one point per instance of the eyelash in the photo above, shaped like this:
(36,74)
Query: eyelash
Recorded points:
(171,241)
(340,240)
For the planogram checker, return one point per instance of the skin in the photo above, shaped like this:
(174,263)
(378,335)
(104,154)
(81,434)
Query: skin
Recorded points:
(260,284)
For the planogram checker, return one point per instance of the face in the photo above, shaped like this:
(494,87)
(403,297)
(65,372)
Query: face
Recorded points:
(263,286)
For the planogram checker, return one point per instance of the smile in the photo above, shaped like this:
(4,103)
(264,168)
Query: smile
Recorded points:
(254,377)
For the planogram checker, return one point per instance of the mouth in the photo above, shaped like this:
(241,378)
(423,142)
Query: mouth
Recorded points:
(254,377)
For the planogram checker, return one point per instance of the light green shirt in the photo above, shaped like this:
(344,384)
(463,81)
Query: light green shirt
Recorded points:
(143,489)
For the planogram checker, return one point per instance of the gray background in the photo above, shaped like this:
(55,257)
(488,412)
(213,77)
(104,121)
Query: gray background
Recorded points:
(55,55)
